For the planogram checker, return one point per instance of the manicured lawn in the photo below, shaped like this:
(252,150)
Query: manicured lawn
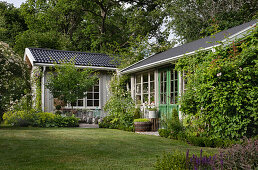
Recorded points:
(75,148)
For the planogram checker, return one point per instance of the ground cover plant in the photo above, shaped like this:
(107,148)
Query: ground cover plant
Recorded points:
(77,148)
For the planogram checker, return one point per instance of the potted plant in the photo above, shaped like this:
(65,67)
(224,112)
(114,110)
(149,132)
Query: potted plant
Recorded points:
(142,125)
(152,110)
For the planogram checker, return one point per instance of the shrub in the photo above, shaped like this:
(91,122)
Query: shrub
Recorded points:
(174,160)
(141,120)
(164,133)
(241,156)
(44,119)
(20,118)
(61,121)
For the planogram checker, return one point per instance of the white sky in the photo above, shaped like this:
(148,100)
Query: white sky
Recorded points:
(16,3)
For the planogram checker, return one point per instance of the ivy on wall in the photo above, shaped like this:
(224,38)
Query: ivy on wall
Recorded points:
(221,95)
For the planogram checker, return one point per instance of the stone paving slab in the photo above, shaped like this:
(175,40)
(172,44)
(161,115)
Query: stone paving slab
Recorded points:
(149,133)
(85,125)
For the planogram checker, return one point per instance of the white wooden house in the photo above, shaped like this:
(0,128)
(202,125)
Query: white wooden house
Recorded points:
(154,80)
(43,59)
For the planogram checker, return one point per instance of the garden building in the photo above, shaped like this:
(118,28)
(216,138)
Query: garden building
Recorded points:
(154,79)
(43,59)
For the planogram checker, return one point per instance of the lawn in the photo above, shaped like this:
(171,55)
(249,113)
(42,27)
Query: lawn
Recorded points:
(76,148)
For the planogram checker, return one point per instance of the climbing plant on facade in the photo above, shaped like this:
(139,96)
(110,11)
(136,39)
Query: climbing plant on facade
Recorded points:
(222,92)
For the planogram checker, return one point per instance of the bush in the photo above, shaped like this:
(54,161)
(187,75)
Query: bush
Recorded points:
(164,133)
(41,119)
(61,121)
(44,119)
(20,118)
(175,160)
(141,120)
(241,156)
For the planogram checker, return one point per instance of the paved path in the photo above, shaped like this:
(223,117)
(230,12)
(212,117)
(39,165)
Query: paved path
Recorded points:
(149,133)
(84,125)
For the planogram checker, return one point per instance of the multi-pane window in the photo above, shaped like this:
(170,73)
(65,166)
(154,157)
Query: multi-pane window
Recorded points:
(144,88)
(91,99)
(163,87)
(173,87)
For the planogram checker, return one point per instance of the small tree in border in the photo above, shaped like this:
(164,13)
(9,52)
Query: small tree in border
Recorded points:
(69,83)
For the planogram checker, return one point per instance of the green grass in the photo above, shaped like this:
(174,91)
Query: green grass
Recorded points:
(76,148)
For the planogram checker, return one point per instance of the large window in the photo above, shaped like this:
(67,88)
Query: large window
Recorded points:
(91,99)
(174,87)
(144,88)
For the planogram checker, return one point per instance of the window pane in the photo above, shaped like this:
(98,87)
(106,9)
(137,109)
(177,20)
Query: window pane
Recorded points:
(175,85)
(96,95)
(138,99)
(152,76)
(138,88)
(96,88)
(80,102)
(152,99)
(172,86)
(145,88)
(152,89)
(145,77)
(96,102)
(176,97)
(89,102)
(89,96)
(145,98)
(138,79)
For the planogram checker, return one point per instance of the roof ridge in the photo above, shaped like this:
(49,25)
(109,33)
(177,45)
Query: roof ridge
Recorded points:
(65,51)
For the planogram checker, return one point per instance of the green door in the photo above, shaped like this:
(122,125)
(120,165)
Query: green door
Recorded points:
(168,91)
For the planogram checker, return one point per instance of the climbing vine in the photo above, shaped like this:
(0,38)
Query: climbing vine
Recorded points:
(221,95)
(36,81)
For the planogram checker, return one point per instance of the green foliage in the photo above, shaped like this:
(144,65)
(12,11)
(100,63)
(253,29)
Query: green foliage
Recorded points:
(69,121)
(192,20)
(120,106)
(141,120)
(176,160)
(19,118)
(221,96)
(173,125)
(69,83)
(14,81)
(11,23)
(38,119)
(164,133)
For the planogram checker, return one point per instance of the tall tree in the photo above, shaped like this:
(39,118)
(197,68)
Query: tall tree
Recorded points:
(194,19)
(93,25)
(11,23)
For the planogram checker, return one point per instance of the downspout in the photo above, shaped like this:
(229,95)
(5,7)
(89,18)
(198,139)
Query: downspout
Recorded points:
(43,89)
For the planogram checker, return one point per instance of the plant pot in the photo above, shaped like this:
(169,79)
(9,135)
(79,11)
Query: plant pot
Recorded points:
(152,114)
(142,126)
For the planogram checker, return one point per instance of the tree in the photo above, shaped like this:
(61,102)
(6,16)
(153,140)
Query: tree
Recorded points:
(14,79)
(11,23)
(191,20)
(94,25)
(69,83)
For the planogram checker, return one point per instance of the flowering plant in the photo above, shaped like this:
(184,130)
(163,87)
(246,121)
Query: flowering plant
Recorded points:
(151,107)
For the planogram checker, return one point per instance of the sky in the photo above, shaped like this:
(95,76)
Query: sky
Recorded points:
(16,3)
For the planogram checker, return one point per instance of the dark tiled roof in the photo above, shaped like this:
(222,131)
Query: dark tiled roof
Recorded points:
(48,56)
(190,47)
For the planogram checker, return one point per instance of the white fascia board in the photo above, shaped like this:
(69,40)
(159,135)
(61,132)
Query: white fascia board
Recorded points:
(91,67)
(29,55)
(168,60)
